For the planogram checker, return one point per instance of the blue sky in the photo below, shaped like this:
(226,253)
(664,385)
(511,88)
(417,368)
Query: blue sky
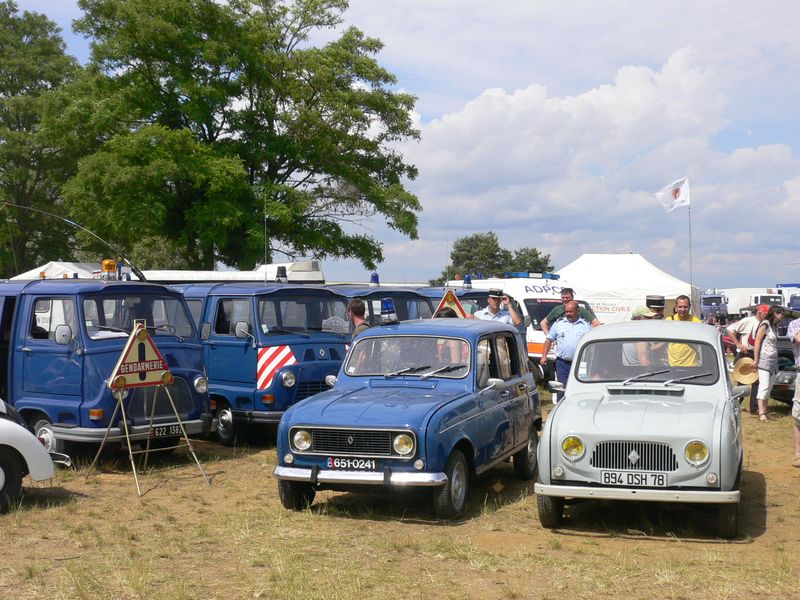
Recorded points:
(552,124)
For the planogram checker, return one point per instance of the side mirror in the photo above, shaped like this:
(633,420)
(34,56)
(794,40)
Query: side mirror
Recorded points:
(242,329)
(205,331)
(739,392)
(492,383)
(63,335)
(555,386)
(330,380)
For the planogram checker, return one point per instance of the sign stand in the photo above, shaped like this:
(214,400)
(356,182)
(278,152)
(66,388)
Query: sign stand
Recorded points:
(149,370)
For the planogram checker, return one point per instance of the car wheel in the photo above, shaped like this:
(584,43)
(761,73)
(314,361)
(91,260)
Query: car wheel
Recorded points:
(450,499)
(43,429)
(728,520)
(10,479)
(226,434)
(550,509)
(294,495)
(525,461)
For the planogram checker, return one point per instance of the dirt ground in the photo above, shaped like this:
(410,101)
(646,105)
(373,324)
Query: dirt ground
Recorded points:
(95,538)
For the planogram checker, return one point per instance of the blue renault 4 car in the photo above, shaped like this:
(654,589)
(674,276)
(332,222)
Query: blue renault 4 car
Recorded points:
(427,403)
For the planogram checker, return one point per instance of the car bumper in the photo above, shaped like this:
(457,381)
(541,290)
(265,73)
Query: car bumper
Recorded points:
(201,426)
(387,477)
(256,417)
(640,494)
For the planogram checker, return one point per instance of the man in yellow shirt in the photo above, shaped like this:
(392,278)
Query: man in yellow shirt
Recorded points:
(682,355)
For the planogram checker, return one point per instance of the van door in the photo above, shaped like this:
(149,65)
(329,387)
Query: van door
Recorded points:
(231,361)
(50,370)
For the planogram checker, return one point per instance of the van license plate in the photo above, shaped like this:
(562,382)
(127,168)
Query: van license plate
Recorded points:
(162,431)
(634,479)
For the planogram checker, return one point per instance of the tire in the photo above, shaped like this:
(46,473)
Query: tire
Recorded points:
(10,479)
(450,499)
(294,495)
(550,509)
(43,429)
(526,460)
(226,432)
(728,520)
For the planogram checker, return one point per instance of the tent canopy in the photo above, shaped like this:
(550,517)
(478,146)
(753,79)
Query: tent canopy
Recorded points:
(56,269)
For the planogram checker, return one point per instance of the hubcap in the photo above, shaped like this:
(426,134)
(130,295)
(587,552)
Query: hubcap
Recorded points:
(48,438)
(2,478)
(457,485)
(225,421)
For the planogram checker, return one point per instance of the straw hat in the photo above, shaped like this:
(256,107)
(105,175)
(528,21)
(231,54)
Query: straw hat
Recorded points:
(744,371)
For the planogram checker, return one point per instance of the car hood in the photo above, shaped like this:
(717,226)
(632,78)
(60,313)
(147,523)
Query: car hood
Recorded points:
(373,407)
(639,413)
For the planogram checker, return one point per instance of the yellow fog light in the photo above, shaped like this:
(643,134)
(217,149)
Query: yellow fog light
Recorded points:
(403,444)
(696,452)
(301,439)
(572,447)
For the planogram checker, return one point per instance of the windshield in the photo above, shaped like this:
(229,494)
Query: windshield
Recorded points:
(113,315)
(648,360)
(302,312)
(712,301)
(776,300)
(539,309)
(407,308)
(417,356)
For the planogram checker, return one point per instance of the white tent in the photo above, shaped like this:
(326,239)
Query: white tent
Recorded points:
(57,269)
(615,284)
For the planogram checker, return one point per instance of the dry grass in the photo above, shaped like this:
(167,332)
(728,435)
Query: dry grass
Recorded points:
(94,538)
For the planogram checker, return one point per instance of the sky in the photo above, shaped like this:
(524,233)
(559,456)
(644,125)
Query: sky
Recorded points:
(553,124)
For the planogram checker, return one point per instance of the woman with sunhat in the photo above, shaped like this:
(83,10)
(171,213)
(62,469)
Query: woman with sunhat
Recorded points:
(765,355)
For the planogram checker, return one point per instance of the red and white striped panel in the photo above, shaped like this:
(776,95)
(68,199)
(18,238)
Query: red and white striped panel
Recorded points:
(269,361)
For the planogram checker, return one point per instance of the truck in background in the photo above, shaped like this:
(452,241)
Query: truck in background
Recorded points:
(714,302)
(740,298)
(791,295)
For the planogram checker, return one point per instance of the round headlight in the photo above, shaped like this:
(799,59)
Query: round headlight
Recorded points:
(288,379)
(572,447)
(301,439)
(201,385)
(696,452)
(403,444)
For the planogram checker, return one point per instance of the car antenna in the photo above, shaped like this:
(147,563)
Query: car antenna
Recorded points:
(135,270)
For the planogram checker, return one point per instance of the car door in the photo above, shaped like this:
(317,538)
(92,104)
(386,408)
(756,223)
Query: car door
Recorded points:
(510,367)
(497,425)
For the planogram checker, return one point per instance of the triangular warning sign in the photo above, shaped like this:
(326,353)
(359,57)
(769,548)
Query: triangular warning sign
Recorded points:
(449,300)
(140,363)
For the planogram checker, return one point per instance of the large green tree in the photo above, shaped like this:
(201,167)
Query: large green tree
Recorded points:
(33,63)
(221,129)
(481,253)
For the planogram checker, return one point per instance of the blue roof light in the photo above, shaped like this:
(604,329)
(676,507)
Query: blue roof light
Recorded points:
(374,280)
(388,313)
(467,282)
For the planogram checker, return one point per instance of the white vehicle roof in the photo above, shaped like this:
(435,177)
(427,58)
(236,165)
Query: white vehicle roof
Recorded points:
(667,330)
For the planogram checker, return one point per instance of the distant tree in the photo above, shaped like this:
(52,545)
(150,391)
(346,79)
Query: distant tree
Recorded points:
(33,62)
(481,253)
(219,128)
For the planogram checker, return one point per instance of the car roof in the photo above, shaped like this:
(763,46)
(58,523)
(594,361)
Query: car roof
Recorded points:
(439,292)
(73,286)
(654,329)
(199,290)
(444,327)
(361,290)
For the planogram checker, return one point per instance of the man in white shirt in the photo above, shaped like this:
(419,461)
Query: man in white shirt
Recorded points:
(743,333)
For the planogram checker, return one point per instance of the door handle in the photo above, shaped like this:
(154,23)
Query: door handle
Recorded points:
(505,394)
(26,349)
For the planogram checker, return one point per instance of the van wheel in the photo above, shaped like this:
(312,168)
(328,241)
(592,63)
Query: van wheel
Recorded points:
(43,429)
(10,479)
(294,495)
(226,434)
(449,500)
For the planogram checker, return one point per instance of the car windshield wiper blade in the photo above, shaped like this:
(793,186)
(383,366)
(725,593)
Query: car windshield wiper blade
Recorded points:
(168,328)
(643,375)
(687,377)
(442,370)
(276,329)
(111,328)
(406,370)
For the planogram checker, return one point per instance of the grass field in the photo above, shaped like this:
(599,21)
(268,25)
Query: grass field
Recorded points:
(95,538)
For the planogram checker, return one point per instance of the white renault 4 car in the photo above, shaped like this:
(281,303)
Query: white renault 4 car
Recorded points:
(649,415)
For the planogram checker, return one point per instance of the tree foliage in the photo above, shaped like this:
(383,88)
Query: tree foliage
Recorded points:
(221,129)
(480,253)
(33,63)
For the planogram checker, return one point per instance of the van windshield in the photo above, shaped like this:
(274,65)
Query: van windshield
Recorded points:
(114,315)
(538,309)
(301,312)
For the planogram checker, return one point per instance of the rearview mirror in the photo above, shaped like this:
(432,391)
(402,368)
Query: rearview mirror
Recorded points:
(330,380)
(555,386)
(62,335)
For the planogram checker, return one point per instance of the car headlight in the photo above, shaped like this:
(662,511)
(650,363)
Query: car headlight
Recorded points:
(301,439)
(696,452)
(572,447)
(403,444)
(200,384)
(288,379)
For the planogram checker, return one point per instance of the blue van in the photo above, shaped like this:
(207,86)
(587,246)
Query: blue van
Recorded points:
(267,346)
(409,304)
(62,338)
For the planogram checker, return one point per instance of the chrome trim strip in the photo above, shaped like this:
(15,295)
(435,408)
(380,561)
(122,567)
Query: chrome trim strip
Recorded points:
(137,432)
(647,494)
(361,477)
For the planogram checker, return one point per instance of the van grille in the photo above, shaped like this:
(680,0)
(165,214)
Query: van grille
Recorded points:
(140,401)
(309,388)
(634,456)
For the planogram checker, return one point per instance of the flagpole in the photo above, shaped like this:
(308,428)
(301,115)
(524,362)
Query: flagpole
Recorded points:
(691,275)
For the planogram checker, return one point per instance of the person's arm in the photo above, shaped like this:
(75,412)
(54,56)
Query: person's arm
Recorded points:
(516,319)
(643,353)
(734,335)
(545,351)
(760,335)
(594,322)
(545,325)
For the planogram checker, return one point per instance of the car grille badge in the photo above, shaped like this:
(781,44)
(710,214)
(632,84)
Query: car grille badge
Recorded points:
(350,440)
(633,457)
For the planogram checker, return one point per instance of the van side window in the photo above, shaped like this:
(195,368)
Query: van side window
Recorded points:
(49,313)
(229,312)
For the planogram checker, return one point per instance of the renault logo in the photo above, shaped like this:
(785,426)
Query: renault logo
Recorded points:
(350,440)
(322,352)
(633,457)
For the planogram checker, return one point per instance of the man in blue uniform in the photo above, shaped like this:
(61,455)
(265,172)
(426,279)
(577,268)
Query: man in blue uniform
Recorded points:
(566,332)
(500,309)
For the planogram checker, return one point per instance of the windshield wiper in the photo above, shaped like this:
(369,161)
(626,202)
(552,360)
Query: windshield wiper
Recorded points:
(696,375)
(406,370)
(442,370)
(643,375)
(168,328)
(276,329)
(110,328)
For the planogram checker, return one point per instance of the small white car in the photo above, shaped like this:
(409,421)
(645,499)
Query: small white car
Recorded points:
(21,454)
(649,415)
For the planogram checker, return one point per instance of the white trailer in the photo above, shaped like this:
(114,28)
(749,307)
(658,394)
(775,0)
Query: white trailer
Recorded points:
(741,298)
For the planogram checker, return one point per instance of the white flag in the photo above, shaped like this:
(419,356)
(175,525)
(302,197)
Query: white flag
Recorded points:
(674,195)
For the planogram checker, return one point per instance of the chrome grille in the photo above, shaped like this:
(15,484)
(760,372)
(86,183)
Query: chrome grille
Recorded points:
(140,401)
(351,441)
(309,388)
(650,456)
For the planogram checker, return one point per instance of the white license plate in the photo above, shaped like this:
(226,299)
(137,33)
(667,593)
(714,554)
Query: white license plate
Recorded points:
(634,479)
(162,431)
